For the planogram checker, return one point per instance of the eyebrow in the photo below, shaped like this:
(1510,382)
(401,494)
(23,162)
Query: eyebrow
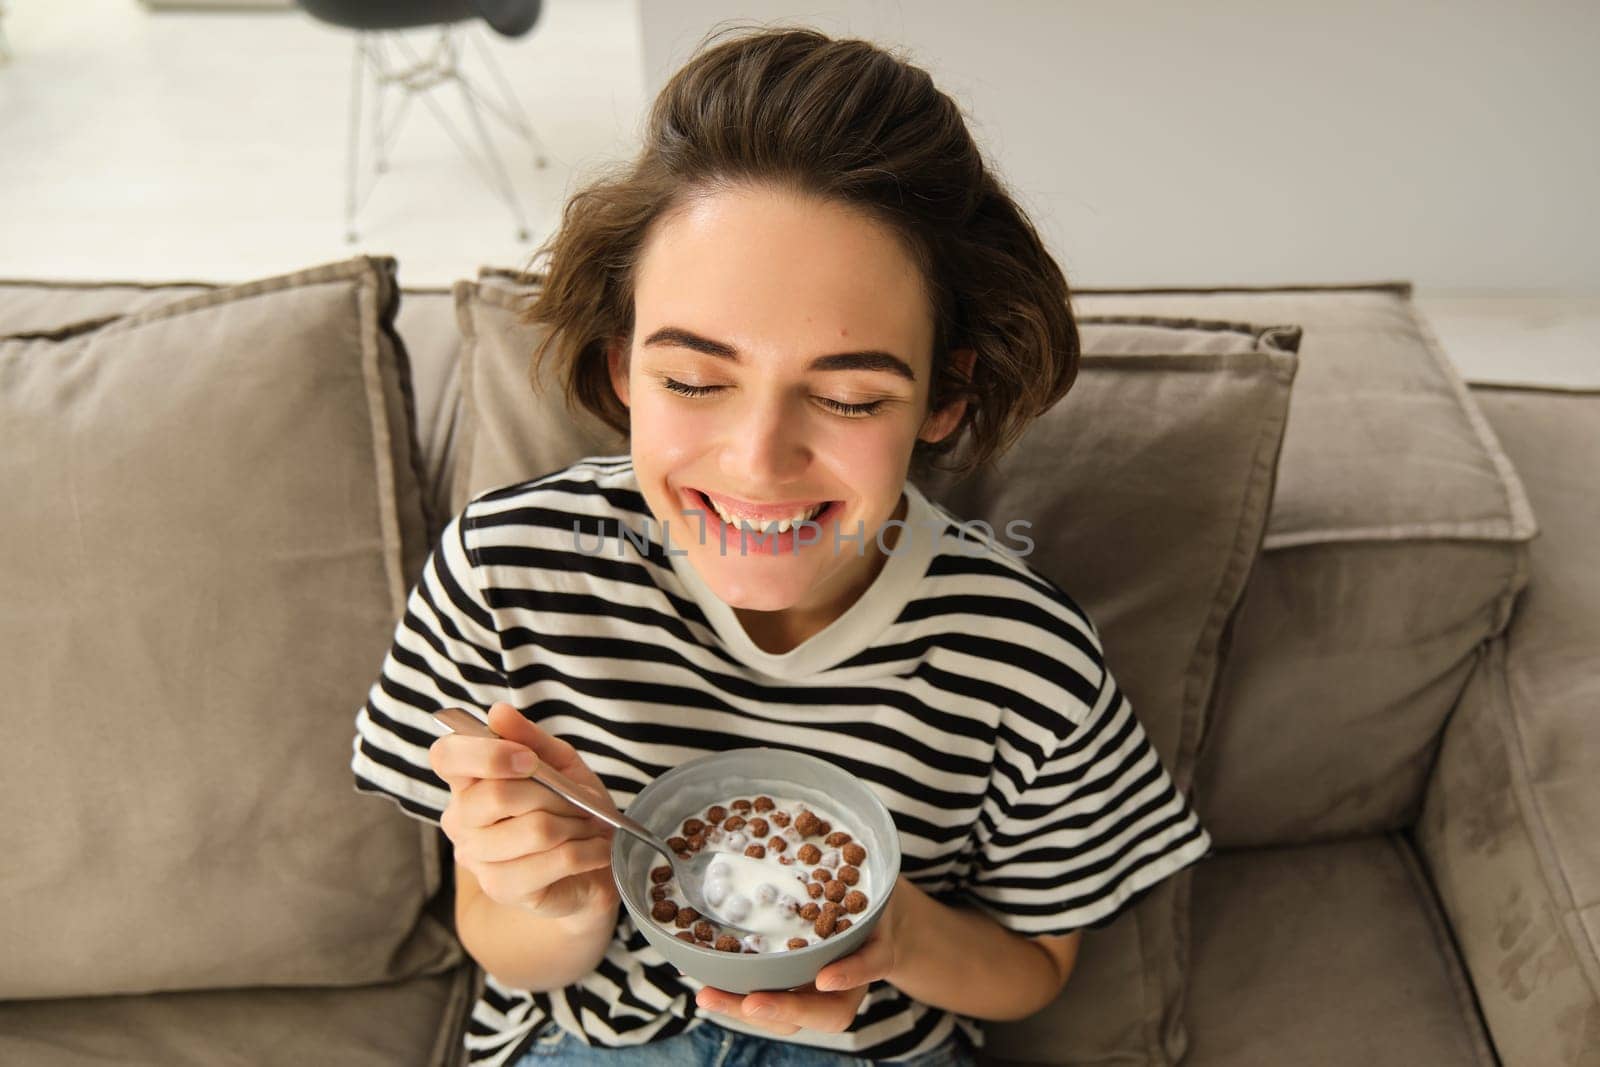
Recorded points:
(869,360)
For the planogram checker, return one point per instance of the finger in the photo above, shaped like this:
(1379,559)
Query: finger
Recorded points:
(459,759)
(554,753)
(869,963)
(524,835)
(526,877)
(512,725)
(721,1002)
(489,800)
(828,1012)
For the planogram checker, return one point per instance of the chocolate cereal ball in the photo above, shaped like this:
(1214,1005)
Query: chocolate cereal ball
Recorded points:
(813,890)
(758,851)
(704,931)
(798,942)
(776,844)
(716,813)
(677,844)
(684,935)
(824,926)
(807,852)
(663,911)
(765,804)
(659,892)
(809,912)
(733,822)
(835,890)
(757,827)
(779,818)
(842,925)
(807,822)
(728,943)
(660,874)
(692,827)
(855,901)
(849,875)
(853,854)
(837,839)
(741,806)
(686,915)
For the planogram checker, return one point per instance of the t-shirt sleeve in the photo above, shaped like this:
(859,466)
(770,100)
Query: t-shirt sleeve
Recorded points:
(446,653)
(1073,833)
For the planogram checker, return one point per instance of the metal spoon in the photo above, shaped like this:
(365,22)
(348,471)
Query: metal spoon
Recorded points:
(689,874)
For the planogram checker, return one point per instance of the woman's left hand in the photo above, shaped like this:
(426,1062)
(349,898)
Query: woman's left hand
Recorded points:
(830,1002)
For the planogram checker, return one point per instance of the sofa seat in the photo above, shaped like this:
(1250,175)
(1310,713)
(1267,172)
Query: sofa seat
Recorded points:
(1326,955)
(405,1024)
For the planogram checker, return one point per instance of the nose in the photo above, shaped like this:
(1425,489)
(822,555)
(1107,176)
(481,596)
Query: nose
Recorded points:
(766,444)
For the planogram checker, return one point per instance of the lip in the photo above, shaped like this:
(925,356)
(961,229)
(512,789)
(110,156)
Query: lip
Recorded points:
(728,541)
(760,511)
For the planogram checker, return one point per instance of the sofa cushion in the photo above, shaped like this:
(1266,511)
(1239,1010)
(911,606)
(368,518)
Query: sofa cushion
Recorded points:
(425,324)
(1395,546)
(1148,488)
(215,516)
(1508,827)
(512,427)
(1326,955)
(412,1023)
(38,306)
(427,328)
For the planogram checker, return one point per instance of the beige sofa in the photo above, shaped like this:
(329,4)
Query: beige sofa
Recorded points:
(1398,761)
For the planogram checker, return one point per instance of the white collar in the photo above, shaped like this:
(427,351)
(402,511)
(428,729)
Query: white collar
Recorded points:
(858,627)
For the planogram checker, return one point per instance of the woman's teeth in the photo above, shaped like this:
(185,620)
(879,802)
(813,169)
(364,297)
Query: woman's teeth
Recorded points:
(771,526)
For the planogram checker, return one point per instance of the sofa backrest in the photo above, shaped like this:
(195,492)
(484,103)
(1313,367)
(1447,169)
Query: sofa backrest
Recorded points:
(1396,545)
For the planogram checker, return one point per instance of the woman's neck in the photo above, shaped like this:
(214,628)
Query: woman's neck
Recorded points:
(779,632)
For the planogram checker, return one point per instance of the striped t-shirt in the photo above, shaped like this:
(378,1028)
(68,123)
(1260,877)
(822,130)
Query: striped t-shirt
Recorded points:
(965,688)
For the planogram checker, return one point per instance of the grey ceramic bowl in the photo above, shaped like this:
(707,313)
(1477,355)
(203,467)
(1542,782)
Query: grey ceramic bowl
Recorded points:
(689,789)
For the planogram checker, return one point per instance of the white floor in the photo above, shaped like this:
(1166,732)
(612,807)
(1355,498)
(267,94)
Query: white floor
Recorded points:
(212,146)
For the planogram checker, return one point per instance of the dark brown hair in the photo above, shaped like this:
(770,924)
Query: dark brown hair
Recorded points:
(848,122)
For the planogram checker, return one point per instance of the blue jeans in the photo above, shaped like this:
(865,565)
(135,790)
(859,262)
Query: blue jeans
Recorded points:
(709,1045)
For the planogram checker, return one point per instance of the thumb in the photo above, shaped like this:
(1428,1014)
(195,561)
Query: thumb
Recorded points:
(512,725)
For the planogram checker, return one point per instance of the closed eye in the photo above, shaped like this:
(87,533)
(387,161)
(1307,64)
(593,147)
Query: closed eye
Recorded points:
(838,406)
(688,390)
(853,410)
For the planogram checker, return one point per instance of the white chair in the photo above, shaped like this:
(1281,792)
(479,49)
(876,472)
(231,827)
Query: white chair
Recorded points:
(391,61)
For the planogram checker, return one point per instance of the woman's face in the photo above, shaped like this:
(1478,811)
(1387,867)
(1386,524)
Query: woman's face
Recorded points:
(760,303)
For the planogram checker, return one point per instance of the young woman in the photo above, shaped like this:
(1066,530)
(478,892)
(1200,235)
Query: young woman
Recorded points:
(806,288)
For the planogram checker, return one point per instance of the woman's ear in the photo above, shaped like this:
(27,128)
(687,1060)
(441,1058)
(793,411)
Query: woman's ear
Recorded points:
(617,365)
(938,424)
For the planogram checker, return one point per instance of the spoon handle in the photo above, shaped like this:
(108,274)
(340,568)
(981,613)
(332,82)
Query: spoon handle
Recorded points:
(463,722)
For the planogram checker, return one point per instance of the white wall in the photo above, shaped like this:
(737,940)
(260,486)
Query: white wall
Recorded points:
(1450,144)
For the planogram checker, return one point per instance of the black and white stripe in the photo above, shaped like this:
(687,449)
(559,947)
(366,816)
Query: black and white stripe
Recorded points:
(983,716)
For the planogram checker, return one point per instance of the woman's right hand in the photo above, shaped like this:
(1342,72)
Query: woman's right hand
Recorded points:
(526,846)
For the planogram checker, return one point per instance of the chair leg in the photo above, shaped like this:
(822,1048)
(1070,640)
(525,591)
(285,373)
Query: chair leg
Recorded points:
(508,191)
(513,114)
(418,79)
